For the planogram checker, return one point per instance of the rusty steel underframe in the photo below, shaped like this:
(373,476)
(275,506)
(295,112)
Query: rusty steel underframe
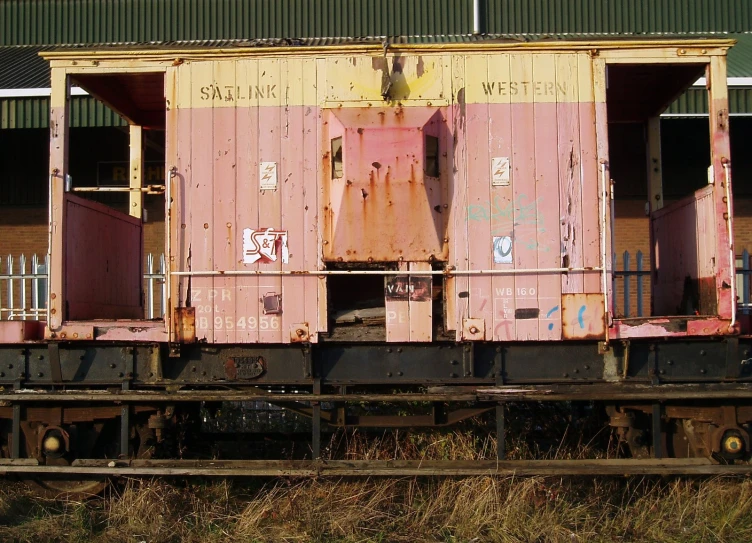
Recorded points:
(161,366)
(705,385)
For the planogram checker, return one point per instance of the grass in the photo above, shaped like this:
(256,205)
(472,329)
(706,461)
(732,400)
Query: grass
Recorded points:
(409,509)
(379,509)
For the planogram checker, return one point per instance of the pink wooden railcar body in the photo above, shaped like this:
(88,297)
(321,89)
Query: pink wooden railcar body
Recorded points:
(483,169)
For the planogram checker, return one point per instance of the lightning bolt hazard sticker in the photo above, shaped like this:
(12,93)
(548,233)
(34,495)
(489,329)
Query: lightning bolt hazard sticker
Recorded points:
(268,176)
(500,171)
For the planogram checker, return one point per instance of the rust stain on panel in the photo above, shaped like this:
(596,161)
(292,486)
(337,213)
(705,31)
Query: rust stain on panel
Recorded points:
(473,329)
(382,206)
(184,324)
(582,316)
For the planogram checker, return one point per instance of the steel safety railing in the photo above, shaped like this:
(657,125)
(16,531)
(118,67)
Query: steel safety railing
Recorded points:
(23,287)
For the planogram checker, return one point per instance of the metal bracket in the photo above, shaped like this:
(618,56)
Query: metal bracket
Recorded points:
(499,366)
(733,359)
(56,373)
(468,360)
(307,363)
(653,365)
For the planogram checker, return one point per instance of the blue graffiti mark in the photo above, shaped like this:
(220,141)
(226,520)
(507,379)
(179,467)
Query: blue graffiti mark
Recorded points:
(580,320)
(517,219)
(551,311)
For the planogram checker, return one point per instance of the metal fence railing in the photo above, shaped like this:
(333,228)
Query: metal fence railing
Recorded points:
(631,286)
(23,287)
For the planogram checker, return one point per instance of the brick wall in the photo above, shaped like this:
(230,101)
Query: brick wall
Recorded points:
(24,230)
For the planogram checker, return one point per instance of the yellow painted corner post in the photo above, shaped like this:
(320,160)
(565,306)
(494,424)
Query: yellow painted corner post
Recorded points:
(59,132)
(135,196)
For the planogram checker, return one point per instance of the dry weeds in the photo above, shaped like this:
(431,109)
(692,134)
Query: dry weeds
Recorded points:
(477,509)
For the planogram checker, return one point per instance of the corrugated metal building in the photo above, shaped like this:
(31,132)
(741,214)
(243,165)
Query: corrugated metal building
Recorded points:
(30,26)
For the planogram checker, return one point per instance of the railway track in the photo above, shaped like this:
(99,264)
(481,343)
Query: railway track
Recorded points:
(369,468)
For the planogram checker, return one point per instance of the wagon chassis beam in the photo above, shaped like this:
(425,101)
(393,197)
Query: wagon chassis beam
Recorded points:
(527,393)
(368,468)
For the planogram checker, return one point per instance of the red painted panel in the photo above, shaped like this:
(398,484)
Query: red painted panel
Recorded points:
(591,210)
(478,197)
(201,223)
(384,204)
(547,189)
(570,195)
(246,212)
(525,246)
(685,241)
(270,205)
(225,244)
(397,309)
(498,211)
(182,200)
(311,232)
(292,185)
(103,250)
(20,331)
(457,287)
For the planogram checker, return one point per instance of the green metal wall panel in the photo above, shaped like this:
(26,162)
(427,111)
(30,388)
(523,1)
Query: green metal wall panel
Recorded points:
(37,22)
(695,101)
(86,112)
(618,16)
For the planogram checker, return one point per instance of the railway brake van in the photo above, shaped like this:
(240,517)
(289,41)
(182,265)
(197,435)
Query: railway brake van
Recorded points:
(375,222)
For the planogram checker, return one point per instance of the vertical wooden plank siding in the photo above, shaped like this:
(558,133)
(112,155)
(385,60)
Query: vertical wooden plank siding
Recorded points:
(547,189)
(421,311)
(201,225)
(570,179)
(291,183)
(172,160)
(458,203)
(310,182)
(499,208)
(223,296)
(478,193)
(247,215)
(270,201)
(525,213)
(591,246)
(685,246)
(398,313)
(321,74)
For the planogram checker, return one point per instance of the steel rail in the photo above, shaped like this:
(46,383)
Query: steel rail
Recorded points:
(369,468)
(482,393)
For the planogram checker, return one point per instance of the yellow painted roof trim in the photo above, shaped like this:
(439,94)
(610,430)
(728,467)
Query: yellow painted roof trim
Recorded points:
(712,46)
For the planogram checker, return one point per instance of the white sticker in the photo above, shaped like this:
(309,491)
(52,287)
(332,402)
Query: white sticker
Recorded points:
(268,175)
(264,245)
(502,249)
(500,171)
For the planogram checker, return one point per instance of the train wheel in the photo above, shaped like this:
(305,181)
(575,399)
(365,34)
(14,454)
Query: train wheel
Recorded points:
(60,446)
(717,432)
(68,487)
